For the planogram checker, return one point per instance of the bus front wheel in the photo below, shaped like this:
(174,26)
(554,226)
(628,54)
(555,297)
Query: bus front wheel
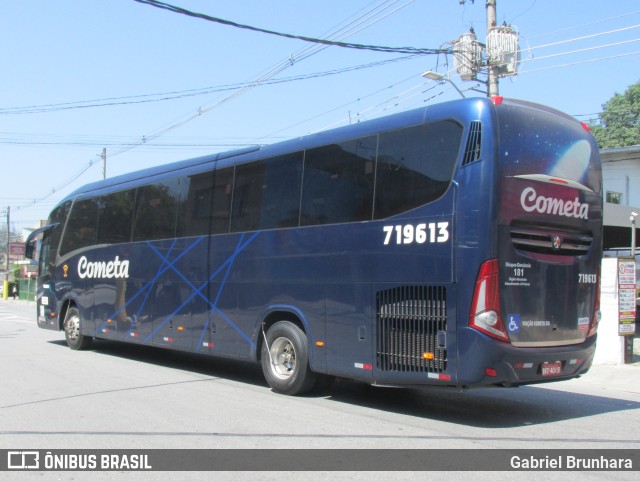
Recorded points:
(285,359)
(72,332)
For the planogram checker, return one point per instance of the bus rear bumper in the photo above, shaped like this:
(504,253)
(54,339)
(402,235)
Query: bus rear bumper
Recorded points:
(495,363)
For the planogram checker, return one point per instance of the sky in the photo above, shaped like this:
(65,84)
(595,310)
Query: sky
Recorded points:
(152,86)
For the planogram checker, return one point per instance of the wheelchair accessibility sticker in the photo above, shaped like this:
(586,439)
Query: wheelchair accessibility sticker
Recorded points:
(513,324)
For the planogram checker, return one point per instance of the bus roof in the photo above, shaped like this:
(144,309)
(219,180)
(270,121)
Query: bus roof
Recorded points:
(463,109)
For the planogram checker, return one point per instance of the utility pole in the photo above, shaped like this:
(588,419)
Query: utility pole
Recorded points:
(500,55)
(8,241)
(492,79)
(104,162)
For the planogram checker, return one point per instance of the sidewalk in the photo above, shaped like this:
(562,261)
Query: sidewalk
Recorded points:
(614,377)
(20,302)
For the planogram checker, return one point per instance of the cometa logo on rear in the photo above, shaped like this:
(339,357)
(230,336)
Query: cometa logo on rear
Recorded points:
(115,269)
(532,202)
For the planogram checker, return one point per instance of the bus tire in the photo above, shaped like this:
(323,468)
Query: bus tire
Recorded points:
(72,332)
(285,359)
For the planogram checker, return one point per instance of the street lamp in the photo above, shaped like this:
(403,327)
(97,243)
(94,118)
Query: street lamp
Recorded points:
(632,218)
(438,77)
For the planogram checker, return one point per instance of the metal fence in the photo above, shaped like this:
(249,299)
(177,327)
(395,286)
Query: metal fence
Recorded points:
(27,289)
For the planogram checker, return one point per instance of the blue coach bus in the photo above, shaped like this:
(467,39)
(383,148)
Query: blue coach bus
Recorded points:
(454,245)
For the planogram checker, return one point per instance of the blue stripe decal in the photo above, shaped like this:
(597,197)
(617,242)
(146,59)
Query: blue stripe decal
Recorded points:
(150,287)
(197,291)
(147,287)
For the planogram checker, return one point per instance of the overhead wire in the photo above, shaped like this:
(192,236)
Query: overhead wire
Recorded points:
(331,43)
(267,78)
(626,54)
(586,37)
(164,96)
(332,72)
(272,72)
(587,49)
(207,90)
(339,107)
(361,113)
(588,24)
(262,78)
(521,61)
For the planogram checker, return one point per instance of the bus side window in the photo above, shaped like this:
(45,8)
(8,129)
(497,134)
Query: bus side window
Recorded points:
(208,203)
(197,209)
(82,227)
(266,194)
(221,200)
(281,199)
(415,166)
(115,217)
(247,197)
(338,182)
(157,210)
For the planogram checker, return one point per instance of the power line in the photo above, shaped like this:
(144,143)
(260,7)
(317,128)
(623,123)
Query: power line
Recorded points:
(585,37)
(275,70)
(375,48)
(269,74)
(582,62)
(164,96)
(279,67)
(362,111)
(585,24)
(581,50)
(265,79)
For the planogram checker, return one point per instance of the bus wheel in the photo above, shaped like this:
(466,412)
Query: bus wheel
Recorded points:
(75,339)
(285,359)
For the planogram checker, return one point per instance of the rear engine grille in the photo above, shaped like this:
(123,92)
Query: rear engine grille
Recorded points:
(558,243)
(412,321)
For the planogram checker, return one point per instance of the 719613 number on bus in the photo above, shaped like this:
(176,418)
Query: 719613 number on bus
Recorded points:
(434,232)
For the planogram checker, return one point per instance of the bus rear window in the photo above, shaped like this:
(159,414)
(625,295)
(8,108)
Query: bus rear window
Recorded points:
(537,141)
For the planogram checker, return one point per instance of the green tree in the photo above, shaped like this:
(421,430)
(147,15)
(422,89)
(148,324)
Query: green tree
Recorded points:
(619,124)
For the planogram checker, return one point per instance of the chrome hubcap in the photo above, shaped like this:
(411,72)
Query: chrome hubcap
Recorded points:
(73,328)
(283,358)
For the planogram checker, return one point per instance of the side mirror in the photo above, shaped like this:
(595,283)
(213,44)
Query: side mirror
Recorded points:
(30,249)
(32,240)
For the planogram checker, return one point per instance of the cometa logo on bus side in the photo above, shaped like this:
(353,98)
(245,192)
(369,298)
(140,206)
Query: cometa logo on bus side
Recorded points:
(115,269)
(531,201)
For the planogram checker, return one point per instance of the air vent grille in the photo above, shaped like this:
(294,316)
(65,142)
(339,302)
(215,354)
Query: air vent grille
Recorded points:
(474,142)
(411,329)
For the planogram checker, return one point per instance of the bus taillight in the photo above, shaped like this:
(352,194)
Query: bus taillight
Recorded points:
(485,307)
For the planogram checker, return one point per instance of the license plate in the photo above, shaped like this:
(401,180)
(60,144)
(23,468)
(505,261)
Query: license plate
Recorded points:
(552,369)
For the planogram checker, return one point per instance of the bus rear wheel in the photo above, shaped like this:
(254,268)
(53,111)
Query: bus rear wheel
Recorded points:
(72,332)
(285,359)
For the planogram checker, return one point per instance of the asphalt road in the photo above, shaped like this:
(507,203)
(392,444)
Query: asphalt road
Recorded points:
(117,396)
